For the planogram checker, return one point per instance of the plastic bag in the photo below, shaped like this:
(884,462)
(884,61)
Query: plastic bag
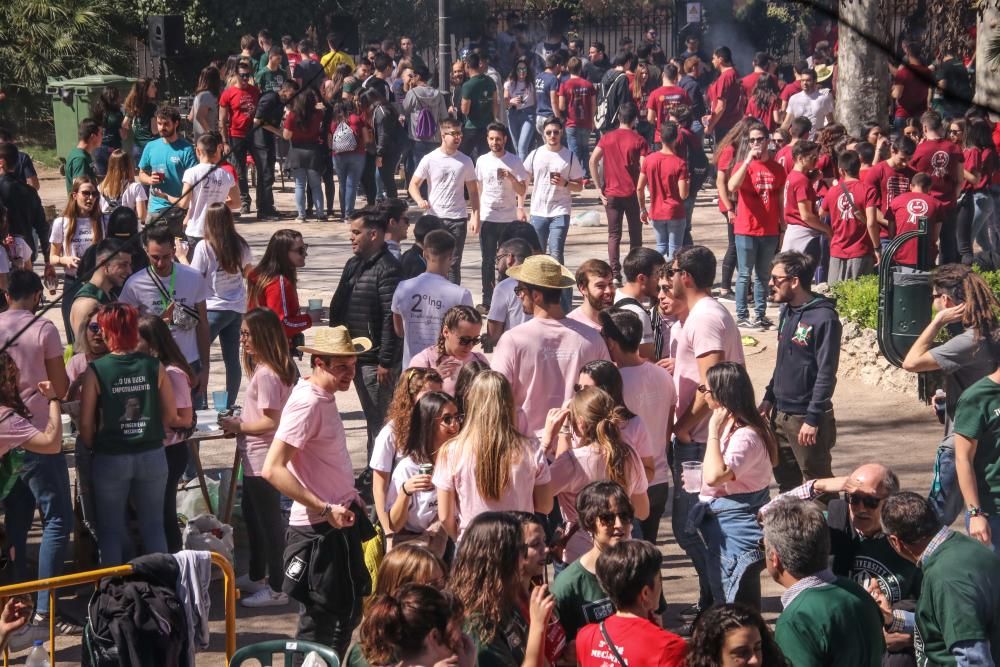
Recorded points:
(314,660)
(587,219)
(206,533)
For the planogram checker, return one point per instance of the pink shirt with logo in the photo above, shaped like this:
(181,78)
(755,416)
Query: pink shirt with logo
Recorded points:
(181,384)
(455,471)
(311,424)
(266,391)
(449,368)
(709,328)
(649,392)
(745,453)
(29,352)
(542,359)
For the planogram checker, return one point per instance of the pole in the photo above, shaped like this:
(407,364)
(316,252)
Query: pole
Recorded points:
(443,48)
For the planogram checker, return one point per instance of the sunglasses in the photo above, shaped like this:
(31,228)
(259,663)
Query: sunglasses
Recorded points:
(451,420)
(757,140)
(244,75)
(664,289)
(954,132)
(87,193)
(94,328)
(870,502)
(553,133)
(777,280)
(673,272)
(453,134)
(703,389)
(608,518)
(469,340)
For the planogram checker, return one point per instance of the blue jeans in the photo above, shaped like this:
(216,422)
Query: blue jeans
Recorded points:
(138,480)
(945,496)
(225,325)
(314,180)
(669,236)
(690,541)
(579,145)
(753,253)
(552,234)
(522,128)
(349,167)
(44,481)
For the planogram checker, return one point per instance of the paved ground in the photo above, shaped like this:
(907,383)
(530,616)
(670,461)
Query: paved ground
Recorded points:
(873,424)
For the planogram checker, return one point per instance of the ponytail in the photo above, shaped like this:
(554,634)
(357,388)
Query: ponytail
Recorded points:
(396,624)
(602,421)
(382,631)
(965,286)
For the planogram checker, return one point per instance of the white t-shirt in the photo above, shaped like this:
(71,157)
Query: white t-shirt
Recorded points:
(815,107)
(506,306)
(83,238)
(446,176)
(185,286)
(649,392)
(205,99)
(133,193)
(423,504)
(213,189)
(647,325)
(226,291)
(549,200)
(422,302)
(384,452)
(497,199)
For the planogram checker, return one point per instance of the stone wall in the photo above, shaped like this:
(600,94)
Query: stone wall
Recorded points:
(860,359)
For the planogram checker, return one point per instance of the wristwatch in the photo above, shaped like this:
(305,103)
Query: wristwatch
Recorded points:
(326,510)
(975,511)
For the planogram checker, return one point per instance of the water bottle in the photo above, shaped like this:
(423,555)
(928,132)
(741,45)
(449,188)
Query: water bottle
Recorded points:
(38,657)
(940,404)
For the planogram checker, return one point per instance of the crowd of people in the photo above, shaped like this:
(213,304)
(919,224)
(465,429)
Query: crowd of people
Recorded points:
(567,447)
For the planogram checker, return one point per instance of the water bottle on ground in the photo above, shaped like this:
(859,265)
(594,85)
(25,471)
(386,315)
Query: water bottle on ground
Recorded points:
(38,657)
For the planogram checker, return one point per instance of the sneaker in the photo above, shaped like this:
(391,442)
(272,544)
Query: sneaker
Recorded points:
(725,295)
(27,636)
(265,597)
(745,323)
(245,209)
(300,218)
(247,585)
(765,322)
(689,613)
(65,626)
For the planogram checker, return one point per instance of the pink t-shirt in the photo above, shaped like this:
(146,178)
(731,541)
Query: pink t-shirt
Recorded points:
(15,430)
(29,352)
(574,470)
(311,423)
(455,471)
(542,359)
(266,391)
(449,368)
(76,365)
(709,328)
(581,317)
(181,384)
(745,453)
(649,392)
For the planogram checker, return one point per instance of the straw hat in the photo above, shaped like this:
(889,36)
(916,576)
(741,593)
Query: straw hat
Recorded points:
(335,341)
(823,72)
(542,271)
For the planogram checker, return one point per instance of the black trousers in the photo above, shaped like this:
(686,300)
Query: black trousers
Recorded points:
(240,146)
(729,259)
(261,504)
(177,460)
(489,241)
(264,156)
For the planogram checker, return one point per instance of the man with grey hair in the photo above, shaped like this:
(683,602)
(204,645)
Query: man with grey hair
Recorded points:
(827,619)
(956,617)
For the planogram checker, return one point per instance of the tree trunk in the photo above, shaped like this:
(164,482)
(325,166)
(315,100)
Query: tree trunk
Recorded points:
(987,73)
(862,76)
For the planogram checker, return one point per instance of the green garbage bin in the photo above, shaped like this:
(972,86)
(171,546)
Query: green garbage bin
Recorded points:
(72,100)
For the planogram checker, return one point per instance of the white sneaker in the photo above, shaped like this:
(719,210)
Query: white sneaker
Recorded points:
(27,636)
(265,598)
(247,585)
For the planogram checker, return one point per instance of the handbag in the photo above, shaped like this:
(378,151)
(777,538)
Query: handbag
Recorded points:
(183,317)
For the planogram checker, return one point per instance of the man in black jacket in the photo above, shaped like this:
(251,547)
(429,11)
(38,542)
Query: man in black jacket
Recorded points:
(363,303)
(805,373)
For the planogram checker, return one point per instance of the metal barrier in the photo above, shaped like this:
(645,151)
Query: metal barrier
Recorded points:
(93,576)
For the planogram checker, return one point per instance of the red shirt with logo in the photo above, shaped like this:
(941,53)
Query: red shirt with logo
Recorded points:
(622,149)
(936,157)
(640,643)
(242,105)
(798,188)
(850,226)
(663,172)
(785,158)
(660,101)
(759,207)
(889,183)
(580,95)
(727,87)
(907,209)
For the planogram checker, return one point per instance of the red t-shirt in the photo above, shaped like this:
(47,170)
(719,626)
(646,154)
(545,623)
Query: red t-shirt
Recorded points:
(907,209)
(242,105)
(827,171)
(983,161)
(798,189)
(759,206)
(229,169)
(357,125)
(935,158)
(785,158)
(913,100)
(850,234)
(724,162)
(580,95)
(639,642)
(888,183)
(727,88)
(789,90)
(764,114)
(308,134)
(749,82)
(662,174)
(660,101)
(622,149)
(686,140)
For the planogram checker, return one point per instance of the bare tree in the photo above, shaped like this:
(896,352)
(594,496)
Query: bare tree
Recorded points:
(862,70)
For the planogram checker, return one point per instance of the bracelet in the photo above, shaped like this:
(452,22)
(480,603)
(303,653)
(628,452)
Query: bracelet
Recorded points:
(408,494)
(976,511)
(326,510)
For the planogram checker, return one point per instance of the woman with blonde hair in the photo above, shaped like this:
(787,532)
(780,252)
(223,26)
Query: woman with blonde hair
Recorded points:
(460,332)
(489,465)
(80,226)
(272,373)
(119,187)
(598,453)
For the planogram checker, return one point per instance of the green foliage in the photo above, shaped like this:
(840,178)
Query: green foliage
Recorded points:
(770,26)
(857,300)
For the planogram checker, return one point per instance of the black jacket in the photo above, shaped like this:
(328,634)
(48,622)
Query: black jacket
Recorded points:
(412,262)
(805,372)
(24,213)
(363,303)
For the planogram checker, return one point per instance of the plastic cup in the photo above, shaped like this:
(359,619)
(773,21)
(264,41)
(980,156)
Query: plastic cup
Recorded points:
(220,400)
(691,476)
(315,304)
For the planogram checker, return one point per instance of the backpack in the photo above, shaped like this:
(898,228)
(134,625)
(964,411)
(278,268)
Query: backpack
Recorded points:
(343,140)
(601,114)
(425,129)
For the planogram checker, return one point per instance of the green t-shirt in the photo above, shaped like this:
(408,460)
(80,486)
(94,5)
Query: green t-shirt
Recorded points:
(129,404)
(508,645)
(355,658)
(832,625)
(142,127)
(79,163)
(268,80)
(112,129)
(977,416)
(959,600)
(480,89)
(579,599)
(91,291)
